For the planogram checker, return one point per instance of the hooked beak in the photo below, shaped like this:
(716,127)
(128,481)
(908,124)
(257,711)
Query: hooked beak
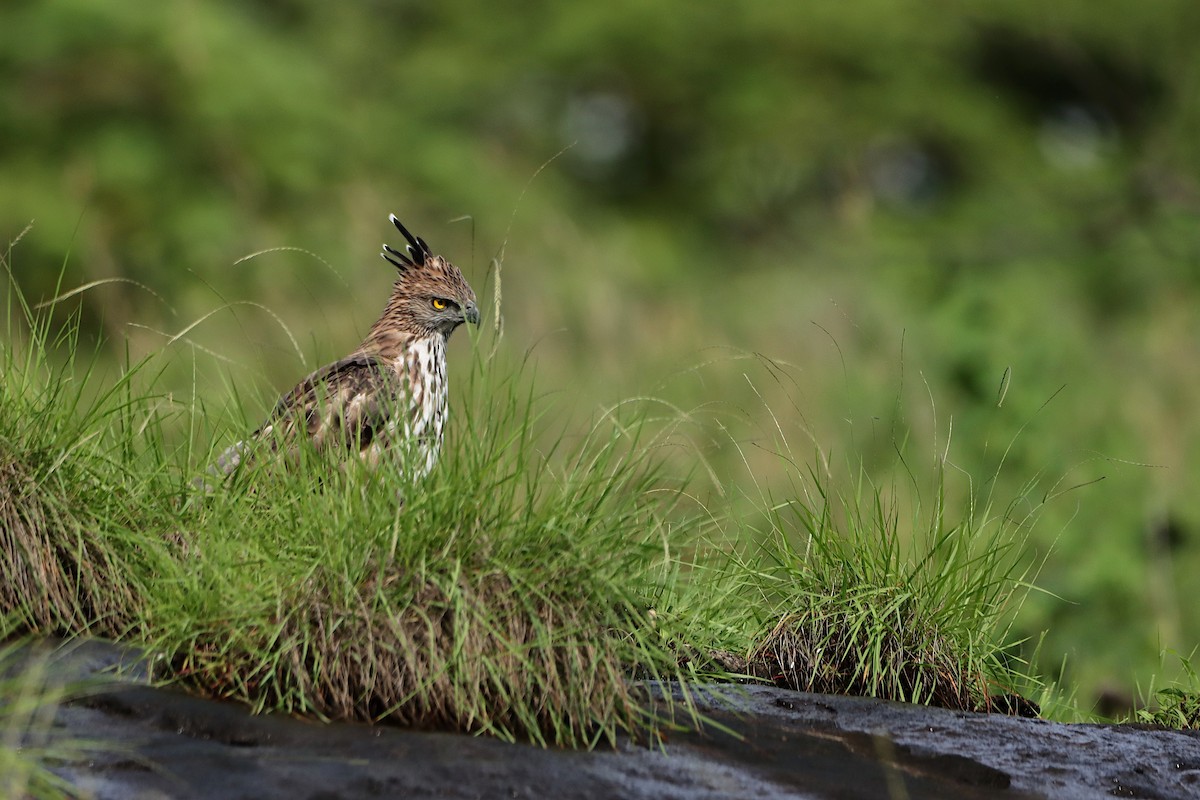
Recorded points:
(471,313)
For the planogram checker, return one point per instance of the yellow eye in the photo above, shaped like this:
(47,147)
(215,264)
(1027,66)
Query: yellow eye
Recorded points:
(439,304)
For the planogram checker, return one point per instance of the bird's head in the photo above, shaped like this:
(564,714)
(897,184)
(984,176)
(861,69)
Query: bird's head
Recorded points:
(430,295)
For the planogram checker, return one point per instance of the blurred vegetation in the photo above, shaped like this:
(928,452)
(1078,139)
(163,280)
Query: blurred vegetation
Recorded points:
(911,204)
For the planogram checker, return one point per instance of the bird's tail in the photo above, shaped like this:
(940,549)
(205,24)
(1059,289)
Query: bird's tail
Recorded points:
(222,468)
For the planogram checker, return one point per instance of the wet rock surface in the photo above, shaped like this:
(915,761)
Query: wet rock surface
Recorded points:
(763,743)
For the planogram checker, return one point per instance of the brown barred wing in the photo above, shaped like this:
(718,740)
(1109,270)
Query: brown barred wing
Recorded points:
(351,404)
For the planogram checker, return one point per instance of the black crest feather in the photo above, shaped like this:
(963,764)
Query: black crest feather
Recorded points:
(417,249)
(401,261)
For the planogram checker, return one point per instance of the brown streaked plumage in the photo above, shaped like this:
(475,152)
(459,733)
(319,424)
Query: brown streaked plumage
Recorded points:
(390,393)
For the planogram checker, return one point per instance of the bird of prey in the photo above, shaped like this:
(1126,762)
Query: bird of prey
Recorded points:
(389,395)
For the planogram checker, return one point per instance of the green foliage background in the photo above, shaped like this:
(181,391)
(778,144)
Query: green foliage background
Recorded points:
(909,203)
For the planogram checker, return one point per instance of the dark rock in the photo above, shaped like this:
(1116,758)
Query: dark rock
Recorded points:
(759,742)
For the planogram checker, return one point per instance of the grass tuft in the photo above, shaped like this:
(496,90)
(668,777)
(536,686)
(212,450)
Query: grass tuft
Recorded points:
(897,588)
(69,527)
(863,611)
(506,594)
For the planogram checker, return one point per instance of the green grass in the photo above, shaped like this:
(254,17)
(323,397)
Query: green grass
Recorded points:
(75,519)
(869,598)
(1174,706)
(905,589)
(751,210)
(507,594)
(516,589)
